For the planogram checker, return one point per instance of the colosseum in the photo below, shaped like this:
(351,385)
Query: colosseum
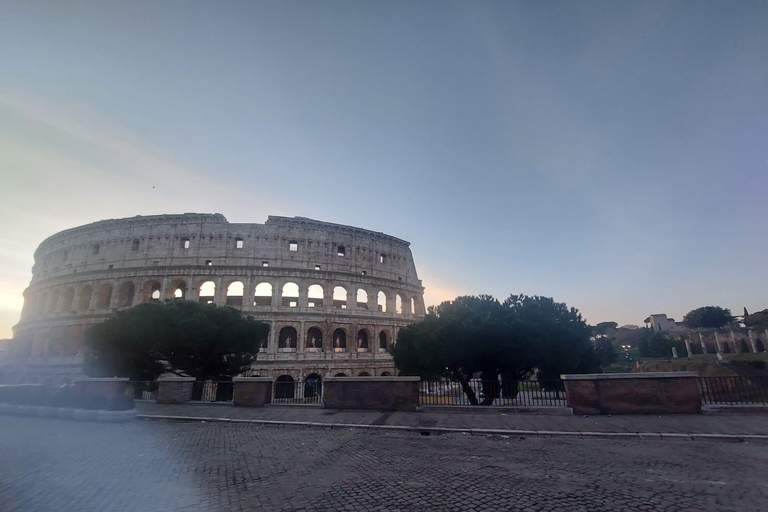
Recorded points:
(333,295)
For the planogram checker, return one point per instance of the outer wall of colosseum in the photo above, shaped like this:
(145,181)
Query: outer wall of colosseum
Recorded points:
(335,296)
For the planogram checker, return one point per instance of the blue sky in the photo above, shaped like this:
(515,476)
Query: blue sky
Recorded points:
(612,155)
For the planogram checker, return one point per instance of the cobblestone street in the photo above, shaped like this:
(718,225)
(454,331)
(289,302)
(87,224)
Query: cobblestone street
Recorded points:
(52,465)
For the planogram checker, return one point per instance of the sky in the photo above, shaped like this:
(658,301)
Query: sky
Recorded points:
(612,155)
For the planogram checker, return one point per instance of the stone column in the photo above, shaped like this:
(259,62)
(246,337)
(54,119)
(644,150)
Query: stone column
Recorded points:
(687,346)
(736,347)
(219,293)
(351,296)
(303,294)
(272,345)
(719,344)
(114,301)
(390,301)
(277,293)
(407,305)
(703,345)
(301,337)
(248,292)
(752,341)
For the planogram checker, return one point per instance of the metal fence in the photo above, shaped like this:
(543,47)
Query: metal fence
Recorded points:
(497,393)
(142,390)
(734,390)
(297,392)
(212,391)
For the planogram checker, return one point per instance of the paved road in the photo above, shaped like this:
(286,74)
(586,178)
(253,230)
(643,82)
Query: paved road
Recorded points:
(54,465)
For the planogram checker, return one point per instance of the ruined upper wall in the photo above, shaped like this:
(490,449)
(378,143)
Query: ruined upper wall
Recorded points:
(193,239)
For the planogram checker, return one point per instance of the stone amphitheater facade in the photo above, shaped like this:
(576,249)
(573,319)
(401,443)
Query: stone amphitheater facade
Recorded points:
(334,296)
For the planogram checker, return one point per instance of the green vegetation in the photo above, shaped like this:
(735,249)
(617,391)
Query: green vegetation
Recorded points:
(708,317)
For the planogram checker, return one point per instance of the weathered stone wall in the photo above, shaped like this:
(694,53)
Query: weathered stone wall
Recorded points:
(174,390)
(252,391)
(83,275)
(372,393)
(633,393)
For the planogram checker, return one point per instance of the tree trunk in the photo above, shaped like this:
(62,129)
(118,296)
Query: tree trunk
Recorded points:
(464,380)
(491,388)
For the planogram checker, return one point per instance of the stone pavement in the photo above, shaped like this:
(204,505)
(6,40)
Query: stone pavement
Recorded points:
(146,466)
(729,424)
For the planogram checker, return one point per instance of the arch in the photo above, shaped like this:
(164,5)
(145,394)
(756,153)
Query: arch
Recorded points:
(152,291)
(363,374)
(235,292)
(284,387)
(416,306)
(339,340)
(398,304)
(726,348)
(262,294)
(290,295)
(314,340)
(362,340)
(381,302)
(69,299)
(386,374)
(313,386)
(86,293)
(383,340)
(53,304)
(104,295)
(362,299)
(340,375)
(743,346)
(125,294)
(340,297)
(759,345)
(315,294)
(287,339)
(180,291)
(207,292)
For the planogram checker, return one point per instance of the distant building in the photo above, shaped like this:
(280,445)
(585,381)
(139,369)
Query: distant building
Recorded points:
(661,323)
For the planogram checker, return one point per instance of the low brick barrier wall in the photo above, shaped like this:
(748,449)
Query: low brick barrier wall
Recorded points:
(252,391)
(371,393)
(633,393)
(174,390)
(102,388)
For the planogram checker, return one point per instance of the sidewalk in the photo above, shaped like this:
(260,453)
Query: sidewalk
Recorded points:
(724,426)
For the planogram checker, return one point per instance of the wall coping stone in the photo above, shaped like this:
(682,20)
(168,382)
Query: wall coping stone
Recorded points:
(251,379)
(175,379)
(642,375)
(372,379)
(104,379)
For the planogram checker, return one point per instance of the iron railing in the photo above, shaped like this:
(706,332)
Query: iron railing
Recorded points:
(496,393)
(297,392)
(734,390)
(142,390)
(212,391)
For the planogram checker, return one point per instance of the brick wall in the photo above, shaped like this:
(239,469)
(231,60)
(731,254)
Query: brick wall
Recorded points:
(372,393)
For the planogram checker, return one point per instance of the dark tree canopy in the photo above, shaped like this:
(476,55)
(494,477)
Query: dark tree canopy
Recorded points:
(660,345)
(756,319)
(604,328)
(204,341)
(470,335)
(708,317)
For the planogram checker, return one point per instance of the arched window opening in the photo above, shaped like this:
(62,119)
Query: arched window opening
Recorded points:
(284,388)
(362,340)
(207,292)
(54,301)
(363,374)
(105,295)
(744,348)
(235,294)
(315,296)
(69,299)
(290,297)
(85,298)
(414,311)
(726,348)
(398,304)
(340,297)
(314,340)
(180,293)
(383,341)
(386,374)
(287,340)
(381,302)
(339,340)
(154,291)
(125,295)
(263,295)
(759,345)
(313,386)
(362,299)
(340,375)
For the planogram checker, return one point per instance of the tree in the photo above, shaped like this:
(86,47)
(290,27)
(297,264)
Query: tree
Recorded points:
(508,340)
(603,328)
(204,341)
(708,317)
(660,345)
(756,319)
(605,351)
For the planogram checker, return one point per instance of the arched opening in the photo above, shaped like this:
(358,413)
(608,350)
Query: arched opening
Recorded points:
(340,375)
(284,387)
(362,340)
(315,296)
(744,347)
(759,345)
(69,298)
(85,298)
(290,297)
(339,340)
(363,374)
(414,310)
(180,291)
(287,339)
(154,291)
(313,387)
(362,299)
(386,374)
(340,297)
(105,295)
(263,295)
(235,294)
(314,340)
(54,301)
(125,295)
(381,302)
(207,292)
(383,341)
(726,348)
(398,304)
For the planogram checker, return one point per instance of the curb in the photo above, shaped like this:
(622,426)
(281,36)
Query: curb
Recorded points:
(733,438)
